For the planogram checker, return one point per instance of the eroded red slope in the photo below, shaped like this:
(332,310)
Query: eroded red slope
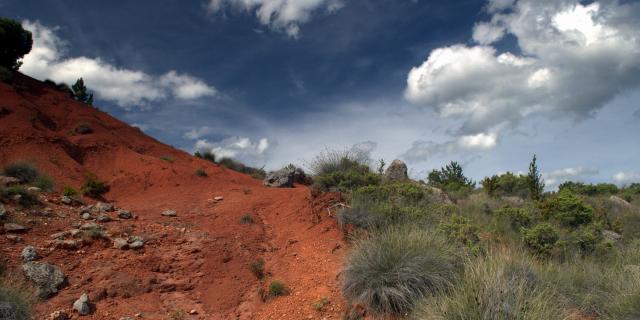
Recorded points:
(198,260)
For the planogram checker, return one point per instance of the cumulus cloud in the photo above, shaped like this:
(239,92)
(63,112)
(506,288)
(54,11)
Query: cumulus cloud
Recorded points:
(125,87)
(241,148)
(573,58)
(555,178)
(626,177)
(281,15)
(424,150)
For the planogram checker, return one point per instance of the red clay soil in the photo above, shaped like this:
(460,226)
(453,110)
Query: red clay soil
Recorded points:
(198,260)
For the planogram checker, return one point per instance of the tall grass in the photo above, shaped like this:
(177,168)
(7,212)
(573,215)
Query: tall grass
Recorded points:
(500,286)
(331,161)
(391,269)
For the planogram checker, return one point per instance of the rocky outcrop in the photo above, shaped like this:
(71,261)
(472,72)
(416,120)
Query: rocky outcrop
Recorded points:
(397,171)
(47,278)
(29,253)
(282,178)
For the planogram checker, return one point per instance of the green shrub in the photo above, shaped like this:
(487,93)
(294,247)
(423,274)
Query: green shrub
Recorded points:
(587,238)
(541,239)
(201,173)
(206,156)
(19,299)
(81,93)
(257,268)
(16,42)
(393,268)
(460,229)
(27,198)
(345,181)
(506,184)
(69,191)
(23,171)
(502,286)
(518,217)
(246,219)
(277,288)
(93,187)
(342,170)
(44,182)
(83,128)
(320,304)
(168,158)
(450,178)
(589,189)
(568,209)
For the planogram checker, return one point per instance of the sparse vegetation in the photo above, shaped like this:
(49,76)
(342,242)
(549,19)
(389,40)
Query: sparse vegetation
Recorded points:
(246,219)
(25,197)
(168,158)
(257,268)
(16,301)
(23,171)
(81,93)
(83,128)
(69,191)
(94,187)
(320,304)
(342,170)
(201,173)
(277,288)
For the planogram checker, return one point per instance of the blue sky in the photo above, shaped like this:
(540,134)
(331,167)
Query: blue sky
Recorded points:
(486,83)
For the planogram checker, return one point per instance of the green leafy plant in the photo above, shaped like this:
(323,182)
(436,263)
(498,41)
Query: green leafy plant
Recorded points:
(94,187)
(277,288)
(569,209)
(257,268)
(201,173)
(69,191)
(541,239)
(23,171)
(246,219)
(26,198)
(450,178)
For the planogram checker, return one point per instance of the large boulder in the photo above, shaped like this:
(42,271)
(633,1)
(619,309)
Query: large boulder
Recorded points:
(47,278)
(282,178)
(397,171)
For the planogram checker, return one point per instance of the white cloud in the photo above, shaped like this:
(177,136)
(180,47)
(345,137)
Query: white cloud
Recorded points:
(281,15)
(555,178)
(573,60)
(125,87)
(626,177)
(241,148)
(424,150)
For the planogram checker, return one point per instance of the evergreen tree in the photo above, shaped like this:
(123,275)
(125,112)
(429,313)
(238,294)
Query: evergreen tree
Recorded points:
(535,180)
(81,93)
(450,177)
(15,42)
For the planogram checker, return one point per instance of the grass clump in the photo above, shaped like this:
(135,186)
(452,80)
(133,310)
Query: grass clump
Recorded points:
(277,288)
(69,191)
(501,286)
(23,171)
(342,170)
(391,269)
(168,158)
(257,268)
(320,304)
(15,302)
(246,219)
(94,187)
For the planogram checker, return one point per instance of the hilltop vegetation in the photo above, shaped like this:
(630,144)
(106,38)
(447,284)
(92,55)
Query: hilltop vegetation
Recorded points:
(447,250)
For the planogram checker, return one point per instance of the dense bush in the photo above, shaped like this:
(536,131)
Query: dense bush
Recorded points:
(518,217)
(589,189)
(450,178)
(94,187)
(568,209)
(206,156)
(501,286)
(342,170)
(541,239)
(16,42)
(461,230)
(393,268)
(69,191)
(18,299)
(23,171)
(506,184)
(277,288)
(26,197)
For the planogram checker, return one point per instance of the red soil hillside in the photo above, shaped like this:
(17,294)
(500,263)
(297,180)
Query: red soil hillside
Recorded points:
(198,260)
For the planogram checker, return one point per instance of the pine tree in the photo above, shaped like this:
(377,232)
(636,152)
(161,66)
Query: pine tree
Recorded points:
(81,93)
(536,182)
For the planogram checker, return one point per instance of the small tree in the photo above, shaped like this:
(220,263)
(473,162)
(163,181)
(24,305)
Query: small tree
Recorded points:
(81,93)
(535,180)
(381,165)
(449,177)
(15,43)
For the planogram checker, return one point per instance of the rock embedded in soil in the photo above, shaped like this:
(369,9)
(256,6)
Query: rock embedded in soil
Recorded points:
(103,218)
(120,243)
(169,213)
(15,228)
(14,238)
(29,253)
(82,305)
(46,277)
(124,214)
(105,207)
(58,315)
(8,181)
(86,216)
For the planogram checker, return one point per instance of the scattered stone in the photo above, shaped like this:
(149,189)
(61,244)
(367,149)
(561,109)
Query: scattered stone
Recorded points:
(105,207)
(82,305)
(90,226)
(282,178)
(397,171)
(86,209)
(86,216)
(611,235)
(60,235)
(69,244)
(47,278)
(14,238)
(58,315)
(136,242)
(3,211)
(66,200)
(29,253)
(218,198)
(121,244)
(8,181)
(34,189)
(124,214)
(15,228)
(126,318)
(169,213)
(103,218)
(193,311)
(75,233)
